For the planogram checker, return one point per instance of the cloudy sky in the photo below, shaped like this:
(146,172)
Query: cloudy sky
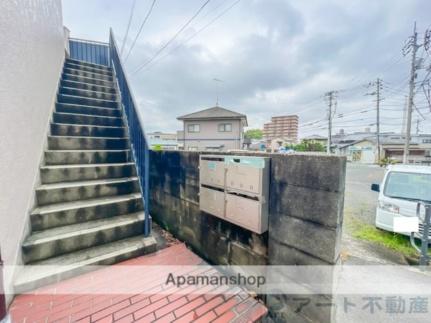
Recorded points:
(275,57)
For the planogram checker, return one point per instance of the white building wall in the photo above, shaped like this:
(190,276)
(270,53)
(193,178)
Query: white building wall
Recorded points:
(31,58)
(209,135)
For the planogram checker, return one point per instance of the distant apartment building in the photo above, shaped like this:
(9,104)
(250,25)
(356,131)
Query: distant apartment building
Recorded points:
(281,128)
(212,129)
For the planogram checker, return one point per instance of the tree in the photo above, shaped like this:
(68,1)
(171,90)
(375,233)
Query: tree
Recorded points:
(306,145)
(253,134)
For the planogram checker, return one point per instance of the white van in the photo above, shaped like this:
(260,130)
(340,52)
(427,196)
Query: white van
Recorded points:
(402,188)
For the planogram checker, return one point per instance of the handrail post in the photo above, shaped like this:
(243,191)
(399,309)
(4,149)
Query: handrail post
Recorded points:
(147,189)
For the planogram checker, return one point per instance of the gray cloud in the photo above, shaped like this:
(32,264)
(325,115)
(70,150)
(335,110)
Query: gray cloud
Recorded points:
(274,56)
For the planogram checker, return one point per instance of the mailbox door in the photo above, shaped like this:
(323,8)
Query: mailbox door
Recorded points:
(245,212)
(244,177)
(212,201)
(212,172)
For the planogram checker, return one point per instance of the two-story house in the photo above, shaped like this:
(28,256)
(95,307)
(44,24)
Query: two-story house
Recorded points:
(212,129)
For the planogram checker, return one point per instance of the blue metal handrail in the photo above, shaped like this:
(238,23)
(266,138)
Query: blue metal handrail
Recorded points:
(138,139)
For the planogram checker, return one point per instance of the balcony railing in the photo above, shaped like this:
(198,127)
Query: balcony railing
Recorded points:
(89,51)
(108,54)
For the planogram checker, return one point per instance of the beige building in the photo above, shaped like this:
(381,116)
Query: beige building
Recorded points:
(212,129)
(285,127)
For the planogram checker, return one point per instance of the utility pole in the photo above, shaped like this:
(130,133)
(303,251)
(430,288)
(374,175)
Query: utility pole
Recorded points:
(417,126)
(414,47)
(377,93)
(378,85)
(331,96)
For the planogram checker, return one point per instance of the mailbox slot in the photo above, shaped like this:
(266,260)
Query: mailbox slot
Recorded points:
(212,201)
(212,171)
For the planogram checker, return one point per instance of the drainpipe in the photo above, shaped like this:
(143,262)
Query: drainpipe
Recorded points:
(3,310)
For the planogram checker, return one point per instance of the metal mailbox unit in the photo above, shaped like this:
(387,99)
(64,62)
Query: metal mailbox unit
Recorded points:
(235,188)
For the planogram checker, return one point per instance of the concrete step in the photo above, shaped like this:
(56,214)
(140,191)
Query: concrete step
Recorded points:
(65,98)
(87,80)
(59,268)
(62,129)
(85,190)
(87,143)
(94,75)
(88,93)
(82,63)
(59,241)
(63,157)
(61,214)
(87,86)
(86,109)
(87,68)
(85,119)
(70,173)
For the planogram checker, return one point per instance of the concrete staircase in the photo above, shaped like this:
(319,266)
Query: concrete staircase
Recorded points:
(89,205)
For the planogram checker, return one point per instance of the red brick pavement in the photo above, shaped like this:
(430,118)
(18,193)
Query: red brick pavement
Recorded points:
(49,304)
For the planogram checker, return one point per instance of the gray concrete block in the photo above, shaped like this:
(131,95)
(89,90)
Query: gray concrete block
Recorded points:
(318,206)
(216,247)
(316,240)
(243,256)
(280,254)
(312,171)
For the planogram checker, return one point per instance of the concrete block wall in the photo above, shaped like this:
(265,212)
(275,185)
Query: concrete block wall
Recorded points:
(305,215)
(175,205)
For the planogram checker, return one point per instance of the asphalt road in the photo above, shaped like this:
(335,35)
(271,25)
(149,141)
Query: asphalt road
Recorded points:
(359,200)
(360,204)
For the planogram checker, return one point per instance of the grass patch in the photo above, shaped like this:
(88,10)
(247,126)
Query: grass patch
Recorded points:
(393,241)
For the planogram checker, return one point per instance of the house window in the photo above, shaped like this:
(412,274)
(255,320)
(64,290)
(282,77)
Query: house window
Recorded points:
(225,127)
(426,141)
(193,128)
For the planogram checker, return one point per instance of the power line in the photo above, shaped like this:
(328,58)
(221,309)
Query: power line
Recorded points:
(172,39)
(140,29)
(128,27)
(197,32)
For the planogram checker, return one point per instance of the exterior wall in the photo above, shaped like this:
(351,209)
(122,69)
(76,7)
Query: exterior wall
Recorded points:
(31,58)
(364,152)
(305,215)
(210,136)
